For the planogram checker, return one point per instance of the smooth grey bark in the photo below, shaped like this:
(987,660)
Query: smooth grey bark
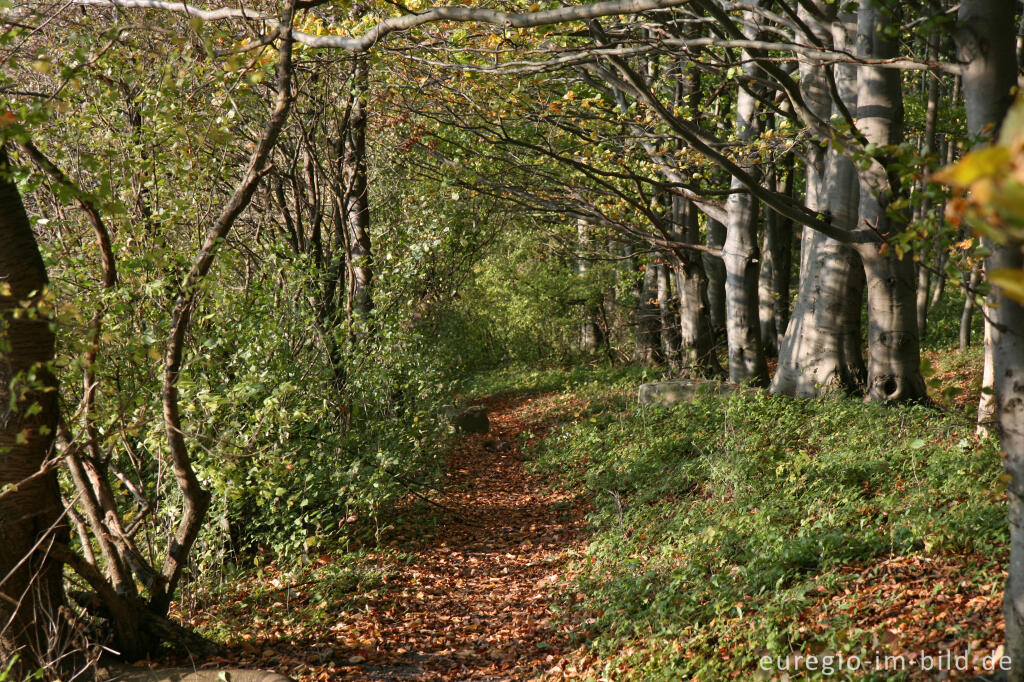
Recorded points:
(971,282)
(853,334)
(782,258)
(940,280)
(590,330)
(647,318)
(985,44)
(924,283)
(820,351)
(31,588)
(696,346)
(843,203)
(742,325)
(776,262)
(924,273)
(741,255)
(715,269)
(669,314)
(766,297)
(356,200)
(894,357)
(987,401)
(696,339)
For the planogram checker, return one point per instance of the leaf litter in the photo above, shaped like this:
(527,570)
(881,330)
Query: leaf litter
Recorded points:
(464,598)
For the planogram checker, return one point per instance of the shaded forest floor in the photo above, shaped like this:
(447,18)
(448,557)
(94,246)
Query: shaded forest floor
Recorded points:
(460,594)
(587,538)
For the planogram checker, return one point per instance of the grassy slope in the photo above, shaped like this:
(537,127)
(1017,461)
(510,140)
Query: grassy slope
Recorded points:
(725,530)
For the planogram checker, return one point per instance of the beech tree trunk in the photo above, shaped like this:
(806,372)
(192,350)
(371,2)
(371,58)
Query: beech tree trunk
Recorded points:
(820,351)
(696,336)
(356,202)
(715,271)
(924,283)
(781,243)
(894,353)
(669,315)
(971,282)
(31,588)
(774,284)
(741,257)
(590,330)
(985,44)
(766,299)
(647,317)
(924,273)
(987,400)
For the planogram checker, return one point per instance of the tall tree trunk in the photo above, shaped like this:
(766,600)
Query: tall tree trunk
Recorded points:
(987,400)
(940,279)
(776,261)
(357,201)
(31,588)
(696,336)
(853,336)
(971,282)
(696,346)
(740,255)
(782,256)
(820,351)
(647,317)
(715,271)
(931,120)
(669,314)
(894,353)
(590,330)
(924,283)
(766,296)
(985,44)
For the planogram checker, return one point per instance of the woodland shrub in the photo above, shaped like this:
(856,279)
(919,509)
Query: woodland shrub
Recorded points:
(287,457)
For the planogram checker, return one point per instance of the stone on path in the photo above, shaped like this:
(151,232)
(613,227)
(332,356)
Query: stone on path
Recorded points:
(467,420)
(124,673)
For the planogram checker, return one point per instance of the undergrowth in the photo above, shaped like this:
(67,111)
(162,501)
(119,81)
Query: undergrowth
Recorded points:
(730,529)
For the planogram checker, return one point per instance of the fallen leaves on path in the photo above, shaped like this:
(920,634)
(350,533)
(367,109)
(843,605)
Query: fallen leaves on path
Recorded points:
(472,603)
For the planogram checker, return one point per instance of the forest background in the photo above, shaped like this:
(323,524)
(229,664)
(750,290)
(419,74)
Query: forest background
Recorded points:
(247,254)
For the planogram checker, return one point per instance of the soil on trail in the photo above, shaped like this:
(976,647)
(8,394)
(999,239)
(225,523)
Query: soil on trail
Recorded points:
(474,600)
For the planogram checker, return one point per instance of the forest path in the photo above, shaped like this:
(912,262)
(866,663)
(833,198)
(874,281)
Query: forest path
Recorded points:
(476,603)
(463,594)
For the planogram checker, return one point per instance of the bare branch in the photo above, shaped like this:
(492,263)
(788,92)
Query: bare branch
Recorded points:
(405,22)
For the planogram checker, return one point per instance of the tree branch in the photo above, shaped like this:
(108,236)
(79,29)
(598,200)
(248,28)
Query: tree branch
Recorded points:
(405,22)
